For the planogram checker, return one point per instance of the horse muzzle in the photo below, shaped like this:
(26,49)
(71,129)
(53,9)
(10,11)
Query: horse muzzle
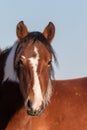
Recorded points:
(32,111)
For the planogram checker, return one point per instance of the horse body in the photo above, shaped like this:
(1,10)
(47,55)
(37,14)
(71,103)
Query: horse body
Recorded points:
(24,66)
(29,99)
(67,109)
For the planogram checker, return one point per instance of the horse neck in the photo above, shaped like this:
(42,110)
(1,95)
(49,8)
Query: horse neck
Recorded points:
(11,98)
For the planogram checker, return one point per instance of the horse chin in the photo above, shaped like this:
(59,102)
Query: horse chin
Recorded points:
(38,112)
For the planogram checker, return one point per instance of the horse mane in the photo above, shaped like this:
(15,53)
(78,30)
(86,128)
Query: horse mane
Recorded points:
(38,36)
(5,51)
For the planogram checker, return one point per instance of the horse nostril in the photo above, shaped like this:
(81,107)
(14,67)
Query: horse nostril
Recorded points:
(29,104)
(32,111)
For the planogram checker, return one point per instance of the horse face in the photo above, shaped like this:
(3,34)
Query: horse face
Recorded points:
(33,64)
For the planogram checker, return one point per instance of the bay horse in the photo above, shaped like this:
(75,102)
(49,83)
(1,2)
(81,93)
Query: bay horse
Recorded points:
(25,73)
(26,79)
(67,109)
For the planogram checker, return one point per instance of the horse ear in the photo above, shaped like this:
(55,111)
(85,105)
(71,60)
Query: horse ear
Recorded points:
(49,32)
(21,30)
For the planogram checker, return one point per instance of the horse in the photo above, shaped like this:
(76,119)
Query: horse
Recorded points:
(67,109)
(37,102)
(25,73)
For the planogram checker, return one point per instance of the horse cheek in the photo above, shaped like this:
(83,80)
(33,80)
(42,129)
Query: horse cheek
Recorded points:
(44,78)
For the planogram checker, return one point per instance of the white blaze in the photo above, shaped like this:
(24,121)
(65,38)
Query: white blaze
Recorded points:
(9,72)
(38,98)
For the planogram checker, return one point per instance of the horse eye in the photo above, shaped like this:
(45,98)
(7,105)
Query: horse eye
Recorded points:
(20,62)
(49,63)
(19,65)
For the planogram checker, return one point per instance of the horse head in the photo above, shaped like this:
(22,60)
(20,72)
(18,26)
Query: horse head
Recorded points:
(32,66)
